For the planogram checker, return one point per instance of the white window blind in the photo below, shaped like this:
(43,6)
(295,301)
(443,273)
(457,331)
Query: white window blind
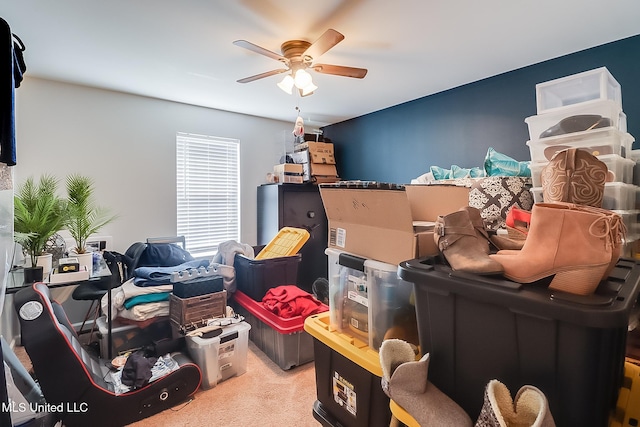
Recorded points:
(208,191)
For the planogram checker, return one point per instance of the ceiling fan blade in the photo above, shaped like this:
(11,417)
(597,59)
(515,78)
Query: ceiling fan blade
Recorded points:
(262,51)
(329,39)
(340,70)
(263,75)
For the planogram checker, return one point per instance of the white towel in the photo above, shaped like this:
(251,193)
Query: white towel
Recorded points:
(223,260)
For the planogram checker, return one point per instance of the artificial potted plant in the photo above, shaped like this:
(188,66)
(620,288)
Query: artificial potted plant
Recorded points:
(84,216)
(38,214)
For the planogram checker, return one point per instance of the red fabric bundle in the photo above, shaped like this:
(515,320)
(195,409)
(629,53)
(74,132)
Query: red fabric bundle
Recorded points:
(289,301)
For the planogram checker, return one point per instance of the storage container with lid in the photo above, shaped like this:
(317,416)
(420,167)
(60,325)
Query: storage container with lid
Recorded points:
(596,84)
(221,357)
(479,328)
(283,340)
(598,142)
(617,196)
(620,169)
(392,313)
(348,294)
(577,118)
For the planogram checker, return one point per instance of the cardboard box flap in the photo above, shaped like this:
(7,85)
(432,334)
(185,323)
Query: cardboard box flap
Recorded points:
(429,201)
(383,244)
(386,209)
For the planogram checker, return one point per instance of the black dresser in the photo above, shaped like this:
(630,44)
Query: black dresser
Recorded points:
(296,205)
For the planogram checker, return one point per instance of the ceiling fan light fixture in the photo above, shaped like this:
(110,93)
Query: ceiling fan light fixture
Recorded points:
(287,84)
(308,89)
(302,79)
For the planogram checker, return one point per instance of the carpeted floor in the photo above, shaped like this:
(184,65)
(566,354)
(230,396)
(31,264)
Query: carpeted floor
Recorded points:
(263,396)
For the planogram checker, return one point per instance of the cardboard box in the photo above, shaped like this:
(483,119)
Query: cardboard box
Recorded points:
(310,169)
(302,158)
(319,179)
(289,173)
(288,168)
(429,201)
(323,169)
(376,221)
(319,152)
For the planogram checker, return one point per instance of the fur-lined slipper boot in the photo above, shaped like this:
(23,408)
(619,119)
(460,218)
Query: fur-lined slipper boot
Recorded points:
(405,381)
(530,408)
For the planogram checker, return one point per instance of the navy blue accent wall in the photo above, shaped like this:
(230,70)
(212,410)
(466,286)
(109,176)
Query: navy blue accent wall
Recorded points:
(457,126)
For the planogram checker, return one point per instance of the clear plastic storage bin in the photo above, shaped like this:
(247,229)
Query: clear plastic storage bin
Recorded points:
(577,118)
(597,84)
(630,220)
(222,357)
(392,313)
(635,156)
(598,142)
(348,294)
(617,196)
(621,169)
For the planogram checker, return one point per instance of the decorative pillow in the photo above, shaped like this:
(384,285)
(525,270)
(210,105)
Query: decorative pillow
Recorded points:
(498,164)
(495,195)
(440,173)
(458,172)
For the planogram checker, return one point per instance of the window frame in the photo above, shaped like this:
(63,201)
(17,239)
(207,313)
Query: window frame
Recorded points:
(207,200)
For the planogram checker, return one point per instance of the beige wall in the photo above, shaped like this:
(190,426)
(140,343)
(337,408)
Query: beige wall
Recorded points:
(127,144)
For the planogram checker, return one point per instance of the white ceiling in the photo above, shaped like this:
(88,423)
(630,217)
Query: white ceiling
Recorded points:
(182,50)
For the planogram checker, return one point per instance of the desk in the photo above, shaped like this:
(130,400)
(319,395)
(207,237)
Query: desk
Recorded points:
(61,292)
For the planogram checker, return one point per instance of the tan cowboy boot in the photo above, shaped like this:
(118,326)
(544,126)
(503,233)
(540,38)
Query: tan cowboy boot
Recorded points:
(574,176)
(530,407)
(456,239)
(565,241)
(405,381)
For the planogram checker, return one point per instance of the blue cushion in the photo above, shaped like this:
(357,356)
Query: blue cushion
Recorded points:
(498,164)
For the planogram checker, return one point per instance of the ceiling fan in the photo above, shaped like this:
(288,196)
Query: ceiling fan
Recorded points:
(298,56)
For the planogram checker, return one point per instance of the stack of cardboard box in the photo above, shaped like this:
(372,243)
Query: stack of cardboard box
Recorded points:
(317,160)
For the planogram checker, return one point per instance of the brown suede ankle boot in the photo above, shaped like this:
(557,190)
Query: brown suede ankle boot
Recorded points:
(567,241)
(617,234)
(458,242)
(478,225)
(574,176)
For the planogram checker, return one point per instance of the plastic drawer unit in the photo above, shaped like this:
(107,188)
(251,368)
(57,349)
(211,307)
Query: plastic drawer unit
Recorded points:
(348,375)
(221,357)
(283,340)
(584,87)
(481,328)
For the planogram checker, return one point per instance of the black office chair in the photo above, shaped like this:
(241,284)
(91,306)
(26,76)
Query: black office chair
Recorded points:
(75,381)
(94,289)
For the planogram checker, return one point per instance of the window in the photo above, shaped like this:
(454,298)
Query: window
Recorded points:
(208,191)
